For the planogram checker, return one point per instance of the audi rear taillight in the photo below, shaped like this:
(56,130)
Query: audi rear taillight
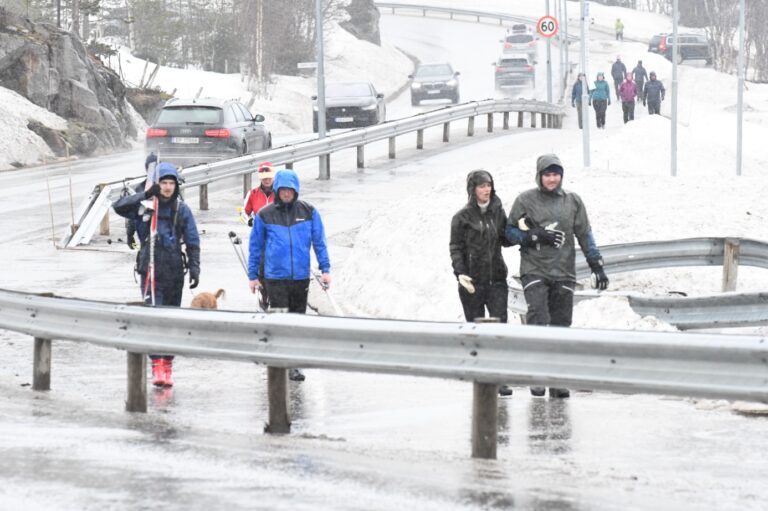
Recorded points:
(222,133)
(529,68)
(507,45)
(532,44)
(156,132)
(663,44)
(499,69)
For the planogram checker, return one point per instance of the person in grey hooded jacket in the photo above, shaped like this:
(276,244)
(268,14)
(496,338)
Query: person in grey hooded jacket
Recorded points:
(544,221)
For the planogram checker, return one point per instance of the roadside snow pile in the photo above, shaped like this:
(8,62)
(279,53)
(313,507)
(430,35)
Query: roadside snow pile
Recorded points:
(19,144)
(614,312)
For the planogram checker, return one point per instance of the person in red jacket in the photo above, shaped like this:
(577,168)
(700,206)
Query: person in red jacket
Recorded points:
(261,195)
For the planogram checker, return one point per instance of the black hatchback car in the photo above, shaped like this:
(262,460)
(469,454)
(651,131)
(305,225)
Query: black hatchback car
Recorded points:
(350,105)
(192,131)
(691,47)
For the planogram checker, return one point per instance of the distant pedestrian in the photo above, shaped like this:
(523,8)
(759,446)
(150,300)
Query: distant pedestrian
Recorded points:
(640,76)
(260,196)
(628,93)
(653,94)
(618,71)
(544,221)
(576,95)
(600,98)
(619,29)
(281,238)
(477,235)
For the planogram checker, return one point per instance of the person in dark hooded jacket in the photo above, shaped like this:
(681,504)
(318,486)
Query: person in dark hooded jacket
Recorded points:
(544,221)
(477,235)
(281,238)
(175,226)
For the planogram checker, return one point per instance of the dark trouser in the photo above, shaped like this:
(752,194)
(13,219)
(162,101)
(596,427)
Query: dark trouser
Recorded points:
(639,89)
(492,296)
(288,294)
(166,293)
(616,84)
(654,107)
(550,302)
(619,36)
(628,107)
(579,113)
(600,106)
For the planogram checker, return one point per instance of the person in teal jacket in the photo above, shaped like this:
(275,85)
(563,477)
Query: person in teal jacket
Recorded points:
(600,98)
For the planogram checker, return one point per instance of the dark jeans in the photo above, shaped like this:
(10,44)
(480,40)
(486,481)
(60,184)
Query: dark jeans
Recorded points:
(654,107)
(492,296)
(628,107)
(288,294)
(616,84)
(579,113)
(166,293)
(550,302)
(639,91)
(600,105)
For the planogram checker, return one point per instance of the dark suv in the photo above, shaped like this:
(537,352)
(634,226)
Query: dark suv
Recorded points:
(192,131)
(690,47)
(350,105)
(514,71)
(434,81)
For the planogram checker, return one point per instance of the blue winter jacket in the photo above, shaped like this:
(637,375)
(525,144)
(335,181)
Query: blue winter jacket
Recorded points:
(282,234)
(654,91)
(175,224)
(601,91)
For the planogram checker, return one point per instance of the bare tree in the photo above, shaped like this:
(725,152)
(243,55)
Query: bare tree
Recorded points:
(723,22)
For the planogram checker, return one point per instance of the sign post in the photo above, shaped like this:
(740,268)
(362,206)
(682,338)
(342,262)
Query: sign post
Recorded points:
(547,26)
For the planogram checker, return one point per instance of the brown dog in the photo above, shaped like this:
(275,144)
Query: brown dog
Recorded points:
(207,300)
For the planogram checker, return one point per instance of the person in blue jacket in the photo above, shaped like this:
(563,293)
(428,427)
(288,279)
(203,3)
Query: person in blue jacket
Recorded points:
(175,227)
(576,94)
(600,98)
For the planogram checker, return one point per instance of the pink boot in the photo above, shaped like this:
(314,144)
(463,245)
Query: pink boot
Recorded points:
(168,371)
(158,372)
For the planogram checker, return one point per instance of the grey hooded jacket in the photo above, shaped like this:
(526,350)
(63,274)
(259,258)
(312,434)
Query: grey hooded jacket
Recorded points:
(560,210)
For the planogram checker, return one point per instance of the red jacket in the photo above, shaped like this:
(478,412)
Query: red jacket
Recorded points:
(257,199)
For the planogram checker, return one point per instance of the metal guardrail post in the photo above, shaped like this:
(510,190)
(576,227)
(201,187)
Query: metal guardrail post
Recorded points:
(391,148)
(731,251)
(519,119)
(506,121)
(419,139)
(490,123)
(471,126)
(136,399)
(289,165)
(203,197)
(104,226)
(543,120)
(277,388)
(446,131)
(41,365)
(485,414)
(360,157)
(247,183)
(533,119)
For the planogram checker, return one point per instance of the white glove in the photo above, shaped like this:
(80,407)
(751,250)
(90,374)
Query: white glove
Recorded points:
(466,282)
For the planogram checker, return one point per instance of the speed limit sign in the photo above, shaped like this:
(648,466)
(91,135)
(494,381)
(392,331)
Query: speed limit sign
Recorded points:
(547,26)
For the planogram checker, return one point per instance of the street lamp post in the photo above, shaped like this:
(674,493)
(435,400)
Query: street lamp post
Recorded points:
(323,163)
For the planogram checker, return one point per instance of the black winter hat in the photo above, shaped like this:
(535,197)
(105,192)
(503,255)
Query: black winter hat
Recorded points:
(476,178)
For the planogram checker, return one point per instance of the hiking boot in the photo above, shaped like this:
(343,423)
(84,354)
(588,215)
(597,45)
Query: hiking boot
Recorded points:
(559,393)
(158,372)
(168,369)
(505,390)
(296,375)
(538,391)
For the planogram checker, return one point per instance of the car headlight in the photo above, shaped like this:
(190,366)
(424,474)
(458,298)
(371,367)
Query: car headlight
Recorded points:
(415,85)
(452,83)
(372,106)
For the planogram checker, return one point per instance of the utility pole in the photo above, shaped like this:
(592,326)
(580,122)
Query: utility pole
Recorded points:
(740,95)
(675,54)
(549,64)
(324,170)
(585,81)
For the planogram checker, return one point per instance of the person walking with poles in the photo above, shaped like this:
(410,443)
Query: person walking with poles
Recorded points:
(544,221)
(477,235)
(281,238)
(163,229)
(653,95)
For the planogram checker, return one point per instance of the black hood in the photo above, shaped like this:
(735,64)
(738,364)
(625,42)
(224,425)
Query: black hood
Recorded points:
(478,177)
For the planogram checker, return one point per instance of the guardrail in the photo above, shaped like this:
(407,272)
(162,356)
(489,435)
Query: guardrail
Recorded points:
(703,365)
(707,311)
(96,206)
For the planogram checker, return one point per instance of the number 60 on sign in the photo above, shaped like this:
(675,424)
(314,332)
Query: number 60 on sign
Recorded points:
(547,26)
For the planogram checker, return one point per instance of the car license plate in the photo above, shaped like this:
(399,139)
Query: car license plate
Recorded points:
(433,92)
(345,119)
(185,140)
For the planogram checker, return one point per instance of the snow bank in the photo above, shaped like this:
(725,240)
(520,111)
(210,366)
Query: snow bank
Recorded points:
(17,143)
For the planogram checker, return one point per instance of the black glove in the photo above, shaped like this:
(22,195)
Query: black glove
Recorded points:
(153,191)
(132,242)
(547,237)
(250,221)
(599,278)
(643,102)
(193,256)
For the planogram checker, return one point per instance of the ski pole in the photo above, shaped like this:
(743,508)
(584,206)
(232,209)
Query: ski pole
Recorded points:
(237,243)
(325,288)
